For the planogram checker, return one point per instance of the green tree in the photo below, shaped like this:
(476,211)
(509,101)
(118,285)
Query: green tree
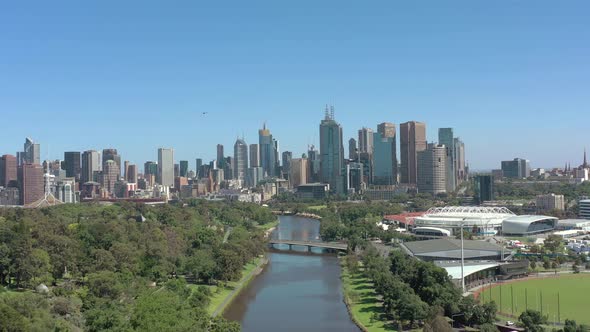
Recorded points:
(532,320)
(11,320)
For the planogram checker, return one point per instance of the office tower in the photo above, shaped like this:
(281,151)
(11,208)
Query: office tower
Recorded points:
(228,169)
(111,154)
(110,175)
(183,168)
(287,157)
(176,170)
(460,169)
(447,138)
(8,171)
(253,176)
(366,140)
(240,161)
(125,169)
(383,167)
(198,165)
(484,188)
(313,160)
(254,155)
(331,153)
(90,165)
(516,169)
(132,173)
(412,140)
(432,169)
(352,149)
(165,167)
(354,176)
(387,129)
(31,153)
(220,156)
(150,168)
(267,148)
(66,190)
(298,172)
(277,158)
(72,164)
(31,183)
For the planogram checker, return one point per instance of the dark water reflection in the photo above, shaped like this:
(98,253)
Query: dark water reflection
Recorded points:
(296,291)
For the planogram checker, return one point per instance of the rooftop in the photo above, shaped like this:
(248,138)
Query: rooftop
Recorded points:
(423,247)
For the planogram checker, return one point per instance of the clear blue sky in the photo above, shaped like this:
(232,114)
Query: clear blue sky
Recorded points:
(512,77)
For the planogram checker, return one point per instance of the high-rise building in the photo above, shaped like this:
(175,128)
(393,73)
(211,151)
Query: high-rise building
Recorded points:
(331,153)
(183,168)
(287,157)
(254,155)
(298,172)
(484,188)
(267,151)
(198,165)
(165,167)
(31,153)
(228,169)
(8,171)
(352,149)
(72,164)
(111,154)
(90,166)
(313,160)
(460,168)
(220,156)
(110,175)
(240,161)
(66,190)
(387,129)
(383,167)
(516,169)
(366,140)
(253,176)
(412,140)
(447,138)
(432,169)
(132,173)
(31,183)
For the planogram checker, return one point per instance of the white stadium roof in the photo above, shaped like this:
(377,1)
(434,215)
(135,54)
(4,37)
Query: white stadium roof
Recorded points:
(454,216)
(469,211)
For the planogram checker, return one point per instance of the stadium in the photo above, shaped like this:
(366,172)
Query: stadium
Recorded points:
(484,221)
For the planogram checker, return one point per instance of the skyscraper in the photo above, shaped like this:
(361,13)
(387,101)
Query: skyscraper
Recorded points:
(412,141)
(183,168)
(287,157)
(132,173)
(165,167)
(298,171)
(199,164)
(331,153)
(90,165)
(383,167)
(387,130)
(460,169)
(516,169)
(111,154)
(31,183)
(110,175)
(313,160)
(447,138)
(72,163)
(366,140)
(352,149)
(220,156)
(484,188)
(8,171)
(432,169)
(240,160)
(267,151)
(254,155)
(32,152)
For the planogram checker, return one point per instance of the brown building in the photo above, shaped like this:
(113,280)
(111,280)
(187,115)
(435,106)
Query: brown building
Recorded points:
(132,173)
(110,175)
(386,129)
(298,174)
(8,171)
(412,141)
(31,183)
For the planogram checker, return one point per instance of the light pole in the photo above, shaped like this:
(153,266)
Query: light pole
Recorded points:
(462,259)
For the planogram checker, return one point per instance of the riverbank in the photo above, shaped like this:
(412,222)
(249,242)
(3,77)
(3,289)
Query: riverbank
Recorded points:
(222,297)
(364,307)
(298,214)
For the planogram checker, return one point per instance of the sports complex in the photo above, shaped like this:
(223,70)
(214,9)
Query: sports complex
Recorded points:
(557,297)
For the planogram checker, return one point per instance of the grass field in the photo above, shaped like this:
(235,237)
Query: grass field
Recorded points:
(364,305)
(542,295)
(316,207)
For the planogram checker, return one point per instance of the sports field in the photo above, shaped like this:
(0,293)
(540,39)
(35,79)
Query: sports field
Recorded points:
(556,297)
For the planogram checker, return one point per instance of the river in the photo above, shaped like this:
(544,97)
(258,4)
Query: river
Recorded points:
(296,291)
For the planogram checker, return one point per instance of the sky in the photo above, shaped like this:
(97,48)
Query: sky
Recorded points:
(511,77)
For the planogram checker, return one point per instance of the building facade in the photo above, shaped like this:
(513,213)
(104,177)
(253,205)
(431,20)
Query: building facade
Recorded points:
(240,160)
(383,161)
(298,171)
(268,153)
(112,154)
(366,140)
(432,169)
(550,202)
(254,155)
(31,153)
(165,167)
(90,166)
(484,188)
(412,141)
(516,169)
(446,137)
(331,153)
(8,171)
(31,183)
(72,164)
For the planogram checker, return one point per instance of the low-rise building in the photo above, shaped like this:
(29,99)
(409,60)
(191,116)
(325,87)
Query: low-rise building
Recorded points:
(550,202)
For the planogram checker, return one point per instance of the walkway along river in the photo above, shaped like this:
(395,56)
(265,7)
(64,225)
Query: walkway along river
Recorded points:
(297,291)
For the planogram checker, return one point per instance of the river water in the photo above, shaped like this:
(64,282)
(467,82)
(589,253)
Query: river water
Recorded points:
(297,291)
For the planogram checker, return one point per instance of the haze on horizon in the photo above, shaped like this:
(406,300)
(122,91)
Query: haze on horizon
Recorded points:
(511,78)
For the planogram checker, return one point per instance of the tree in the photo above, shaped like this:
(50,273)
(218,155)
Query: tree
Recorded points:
(489,327)
(11,320)
(104,284)
(532,320)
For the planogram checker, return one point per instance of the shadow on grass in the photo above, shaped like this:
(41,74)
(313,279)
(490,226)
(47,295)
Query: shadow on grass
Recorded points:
(363,287)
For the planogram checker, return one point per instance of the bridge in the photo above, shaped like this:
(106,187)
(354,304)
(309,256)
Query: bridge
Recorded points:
(337,246)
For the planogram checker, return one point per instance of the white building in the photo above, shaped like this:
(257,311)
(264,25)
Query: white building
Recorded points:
(165,167)
(584,206)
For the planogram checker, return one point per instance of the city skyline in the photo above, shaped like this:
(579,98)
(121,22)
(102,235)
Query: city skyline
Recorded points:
(187,72)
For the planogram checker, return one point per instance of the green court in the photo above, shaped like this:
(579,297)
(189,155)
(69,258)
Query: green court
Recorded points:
(559,298)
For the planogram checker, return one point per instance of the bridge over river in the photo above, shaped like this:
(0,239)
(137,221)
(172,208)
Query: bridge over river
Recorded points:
(338,246)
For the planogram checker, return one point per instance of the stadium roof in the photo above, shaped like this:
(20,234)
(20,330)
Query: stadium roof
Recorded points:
(455,270)
(424,247)
(521,224)
(469,210)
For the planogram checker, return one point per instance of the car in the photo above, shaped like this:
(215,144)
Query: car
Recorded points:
(509,323)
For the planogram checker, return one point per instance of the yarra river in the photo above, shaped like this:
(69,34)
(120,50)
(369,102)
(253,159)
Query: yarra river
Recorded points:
(296,291)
